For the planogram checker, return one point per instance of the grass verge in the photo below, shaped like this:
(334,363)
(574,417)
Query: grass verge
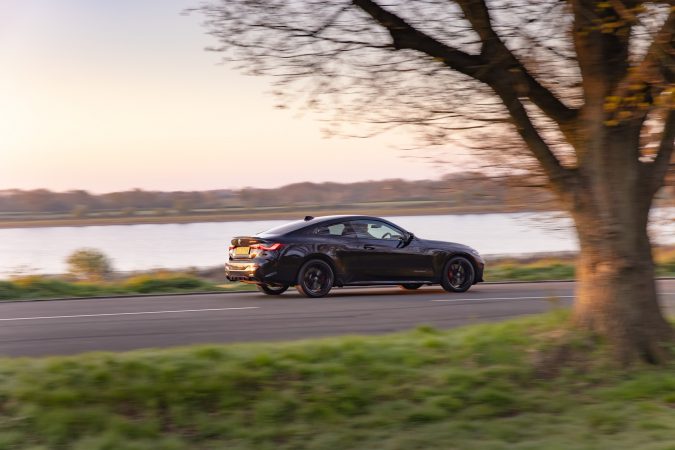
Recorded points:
(470,388)
(540,269)
(39,287)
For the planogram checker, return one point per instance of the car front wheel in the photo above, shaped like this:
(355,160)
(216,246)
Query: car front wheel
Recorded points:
(272,289)
(458,275)
(315,279)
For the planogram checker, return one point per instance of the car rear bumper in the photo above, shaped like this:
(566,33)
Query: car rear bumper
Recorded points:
(247,272)
(251,271)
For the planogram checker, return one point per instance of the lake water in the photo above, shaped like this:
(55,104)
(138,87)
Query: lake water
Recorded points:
(143,247)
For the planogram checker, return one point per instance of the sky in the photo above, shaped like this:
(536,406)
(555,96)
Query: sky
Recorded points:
(113,95)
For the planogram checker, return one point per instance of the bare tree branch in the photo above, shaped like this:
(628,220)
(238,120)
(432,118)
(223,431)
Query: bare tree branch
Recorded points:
(556,173)
(640,89)
(496,52)
(599,35)
(659,63)
(405,36)
(663,158)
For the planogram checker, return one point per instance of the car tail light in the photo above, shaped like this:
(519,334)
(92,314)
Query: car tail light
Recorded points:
(267,248)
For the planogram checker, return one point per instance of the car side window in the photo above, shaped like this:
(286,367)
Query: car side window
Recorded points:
(342,229)
(373,229)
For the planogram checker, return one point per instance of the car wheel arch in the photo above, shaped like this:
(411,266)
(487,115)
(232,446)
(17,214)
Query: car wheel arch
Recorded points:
(469,258)
(451,255)
(321,257)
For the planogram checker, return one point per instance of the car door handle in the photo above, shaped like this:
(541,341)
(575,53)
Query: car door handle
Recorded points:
(369,247)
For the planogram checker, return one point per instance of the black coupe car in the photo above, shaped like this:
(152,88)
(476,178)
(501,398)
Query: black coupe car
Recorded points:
(318,253)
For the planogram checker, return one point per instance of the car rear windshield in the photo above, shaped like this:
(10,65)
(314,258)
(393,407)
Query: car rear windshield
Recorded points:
(284,229)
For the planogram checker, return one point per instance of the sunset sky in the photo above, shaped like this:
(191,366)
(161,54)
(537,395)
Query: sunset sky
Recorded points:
(112,95)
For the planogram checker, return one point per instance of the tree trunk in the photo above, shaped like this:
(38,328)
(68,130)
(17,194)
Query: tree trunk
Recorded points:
(616,295)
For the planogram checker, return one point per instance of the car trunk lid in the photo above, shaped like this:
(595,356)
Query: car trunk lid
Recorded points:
(241,246)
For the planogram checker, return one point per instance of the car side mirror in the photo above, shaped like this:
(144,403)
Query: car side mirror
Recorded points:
(408,238)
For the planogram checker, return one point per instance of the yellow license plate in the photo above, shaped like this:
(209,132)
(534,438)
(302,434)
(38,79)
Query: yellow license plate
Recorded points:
(241,250)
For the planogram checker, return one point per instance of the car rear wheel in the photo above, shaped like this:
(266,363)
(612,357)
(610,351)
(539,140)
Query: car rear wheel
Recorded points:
(270,289)
(315,279)
(411,286)
(458,275)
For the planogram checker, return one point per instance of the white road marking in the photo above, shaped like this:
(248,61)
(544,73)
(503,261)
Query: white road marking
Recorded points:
(501,298)
(127,313)
(518,298)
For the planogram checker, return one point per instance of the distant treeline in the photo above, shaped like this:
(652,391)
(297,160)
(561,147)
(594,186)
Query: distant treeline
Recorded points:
(469,189)
(455,189)
(45,201)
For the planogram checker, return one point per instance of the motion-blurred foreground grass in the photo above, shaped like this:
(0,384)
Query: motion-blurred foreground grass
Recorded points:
(478,387)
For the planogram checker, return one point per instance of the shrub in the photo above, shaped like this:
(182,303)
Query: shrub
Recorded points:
(89,264)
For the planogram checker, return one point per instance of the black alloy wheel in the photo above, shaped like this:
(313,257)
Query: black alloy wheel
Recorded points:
(458,275)
(315,279)
(272,289)
(411,286)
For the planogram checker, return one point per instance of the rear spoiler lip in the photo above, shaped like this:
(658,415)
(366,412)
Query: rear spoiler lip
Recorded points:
(243,241)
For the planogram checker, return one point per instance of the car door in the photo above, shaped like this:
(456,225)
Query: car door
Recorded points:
(384,254)
(338,241)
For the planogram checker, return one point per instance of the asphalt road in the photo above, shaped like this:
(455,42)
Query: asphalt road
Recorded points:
(73,326)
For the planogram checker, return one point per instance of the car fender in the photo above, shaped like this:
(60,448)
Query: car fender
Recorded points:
(322,257)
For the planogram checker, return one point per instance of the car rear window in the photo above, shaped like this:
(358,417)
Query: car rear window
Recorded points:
(284,229)
(342,229)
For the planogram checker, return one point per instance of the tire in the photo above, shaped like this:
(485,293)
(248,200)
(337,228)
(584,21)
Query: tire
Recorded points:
(272,290)
(458,275)
(411,286)
(315,279)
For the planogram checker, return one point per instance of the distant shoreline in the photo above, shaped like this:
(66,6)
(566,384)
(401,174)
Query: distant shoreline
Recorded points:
(254,215)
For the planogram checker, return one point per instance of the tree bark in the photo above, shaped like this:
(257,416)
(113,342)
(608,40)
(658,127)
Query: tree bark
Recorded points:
(616,296)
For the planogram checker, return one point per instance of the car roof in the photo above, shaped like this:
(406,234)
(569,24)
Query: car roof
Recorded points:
(320,219)
(301,224)
(338,218)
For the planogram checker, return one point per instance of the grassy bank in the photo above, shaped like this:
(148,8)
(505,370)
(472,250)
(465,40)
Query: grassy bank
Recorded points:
(537,269)
(38,287)
(479,387)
